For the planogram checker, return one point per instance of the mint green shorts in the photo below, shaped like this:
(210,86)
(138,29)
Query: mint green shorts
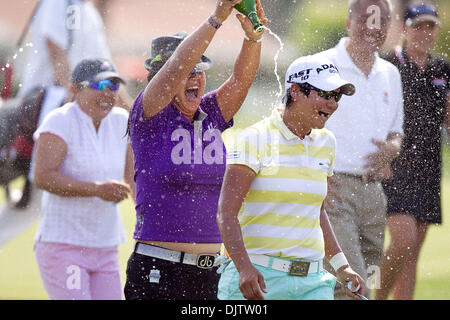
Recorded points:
(280,285)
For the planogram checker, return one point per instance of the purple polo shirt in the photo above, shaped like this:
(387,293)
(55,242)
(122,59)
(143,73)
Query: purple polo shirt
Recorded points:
(178,169)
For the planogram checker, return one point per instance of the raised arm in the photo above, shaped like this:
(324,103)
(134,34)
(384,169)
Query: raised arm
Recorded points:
(233,92)
(162,88)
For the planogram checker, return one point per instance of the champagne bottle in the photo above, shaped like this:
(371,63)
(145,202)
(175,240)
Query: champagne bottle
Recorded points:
(248,7)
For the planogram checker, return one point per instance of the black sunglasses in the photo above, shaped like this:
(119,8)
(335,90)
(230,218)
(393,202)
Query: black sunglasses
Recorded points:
(306,88)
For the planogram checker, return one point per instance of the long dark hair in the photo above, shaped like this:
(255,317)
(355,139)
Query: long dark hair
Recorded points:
(150,76)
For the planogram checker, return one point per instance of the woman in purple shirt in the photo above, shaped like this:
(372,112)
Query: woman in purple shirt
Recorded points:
(179,157)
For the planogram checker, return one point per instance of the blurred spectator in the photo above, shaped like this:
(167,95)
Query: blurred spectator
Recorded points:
(368,129)
(414,192)
(82,155)
(62,34)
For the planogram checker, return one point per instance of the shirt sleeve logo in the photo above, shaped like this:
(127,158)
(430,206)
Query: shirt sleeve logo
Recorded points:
(233,155)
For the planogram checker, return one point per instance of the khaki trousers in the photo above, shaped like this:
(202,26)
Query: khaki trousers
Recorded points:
(359,222)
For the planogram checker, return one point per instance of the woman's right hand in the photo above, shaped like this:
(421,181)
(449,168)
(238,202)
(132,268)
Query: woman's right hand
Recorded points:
(251,283)
(247,25)
(112,191)
(224,9)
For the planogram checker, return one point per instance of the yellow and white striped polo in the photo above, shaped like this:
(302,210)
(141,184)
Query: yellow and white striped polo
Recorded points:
(280,215)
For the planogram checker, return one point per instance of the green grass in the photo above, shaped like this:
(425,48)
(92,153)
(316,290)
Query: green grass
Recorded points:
(19,275)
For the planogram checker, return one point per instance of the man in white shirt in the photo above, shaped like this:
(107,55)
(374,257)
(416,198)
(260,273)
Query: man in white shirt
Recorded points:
(368,130)
(62,34)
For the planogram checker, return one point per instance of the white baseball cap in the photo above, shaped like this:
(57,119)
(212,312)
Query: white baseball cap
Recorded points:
(317,71)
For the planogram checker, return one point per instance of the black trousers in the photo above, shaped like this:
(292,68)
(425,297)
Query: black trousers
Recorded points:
(150,278)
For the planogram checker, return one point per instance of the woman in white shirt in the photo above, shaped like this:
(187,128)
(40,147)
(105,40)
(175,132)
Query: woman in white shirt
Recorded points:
(82,155)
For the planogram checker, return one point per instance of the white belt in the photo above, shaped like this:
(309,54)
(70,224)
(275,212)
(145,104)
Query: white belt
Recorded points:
(204,261)
(293,267)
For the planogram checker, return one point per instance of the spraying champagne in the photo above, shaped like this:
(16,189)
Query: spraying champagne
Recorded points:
(248,7)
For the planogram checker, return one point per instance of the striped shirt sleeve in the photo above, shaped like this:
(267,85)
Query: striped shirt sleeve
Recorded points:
(246,150)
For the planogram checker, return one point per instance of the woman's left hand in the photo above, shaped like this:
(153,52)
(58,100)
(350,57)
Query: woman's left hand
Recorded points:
(247,25)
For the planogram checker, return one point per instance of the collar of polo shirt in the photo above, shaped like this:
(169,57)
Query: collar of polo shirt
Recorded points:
(288,134)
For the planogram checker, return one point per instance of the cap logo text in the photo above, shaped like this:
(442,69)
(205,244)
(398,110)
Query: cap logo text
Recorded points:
(303,75)
(330,67)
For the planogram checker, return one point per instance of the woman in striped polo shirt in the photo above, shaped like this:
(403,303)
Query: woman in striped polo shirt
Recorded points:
(271,215)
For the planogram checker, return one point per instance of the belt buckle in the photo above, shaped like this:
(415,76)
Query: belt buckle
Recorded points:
(299,268)
(205,261)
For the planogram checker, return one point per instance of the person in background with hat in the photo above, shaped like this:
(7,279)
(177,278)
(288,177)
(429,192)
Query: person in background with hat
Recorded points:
(414,191)
(175,132)
(368,130)
(271,214)
(82,155)
(62,34)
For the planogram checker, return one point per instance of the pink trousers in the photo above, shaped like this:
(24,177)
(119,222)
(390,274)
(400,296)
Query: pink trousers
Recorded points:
(71,272)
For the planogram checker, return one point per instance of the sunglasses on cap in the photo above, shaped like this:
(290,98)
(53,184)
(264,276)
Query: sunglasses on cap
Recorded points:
(306,88)
(102,85)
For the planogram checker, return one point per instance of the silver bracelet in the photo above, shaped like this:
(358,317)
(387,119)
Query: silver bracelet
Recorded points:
(252,40)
